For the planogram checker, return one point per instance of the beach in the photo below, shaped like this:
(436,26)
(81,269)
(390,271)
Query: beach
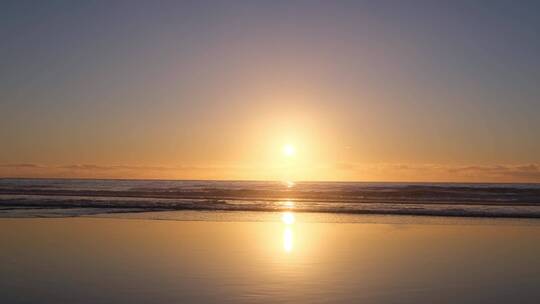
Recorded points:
(238,152)
(270,257)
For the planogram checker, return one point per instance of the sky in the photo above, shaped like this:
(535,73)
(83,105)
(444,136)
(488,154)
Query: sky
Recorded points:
(363,90)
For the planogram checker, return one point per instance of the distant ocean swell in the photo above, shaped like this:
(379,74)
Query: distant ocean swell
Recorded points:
(435,199)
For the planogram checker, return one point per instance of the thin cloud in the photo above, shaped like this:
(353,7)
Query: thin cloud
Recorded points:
(22,166)
(495,173)
(341,171)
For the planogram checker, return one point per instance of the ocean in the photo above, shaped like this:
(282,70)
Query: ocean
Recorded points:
(150,241)
(73,197)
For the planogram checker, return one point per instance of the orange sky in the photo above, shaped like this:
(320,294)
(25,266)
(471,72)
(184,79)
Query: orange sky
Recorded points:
(363,91)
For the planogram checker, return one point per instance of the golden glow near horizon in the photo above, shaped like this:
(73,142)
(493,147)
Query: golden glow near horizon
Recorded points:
(290,164)
(289,184)
(287,204)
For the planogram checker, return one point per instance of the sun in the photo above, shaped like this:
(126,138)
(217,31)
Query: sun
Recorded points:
(288,150)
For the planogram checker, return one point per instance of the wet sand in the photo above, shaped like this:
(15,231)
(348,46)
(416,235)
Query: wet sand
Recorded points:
(385,259)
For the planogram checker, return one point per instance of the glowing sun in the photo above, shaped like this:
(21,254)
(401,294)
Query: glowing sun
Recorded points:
(288,150)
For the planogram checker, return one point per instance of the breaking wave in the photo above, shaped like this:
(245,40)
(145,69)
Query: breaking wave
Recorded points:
(73,197)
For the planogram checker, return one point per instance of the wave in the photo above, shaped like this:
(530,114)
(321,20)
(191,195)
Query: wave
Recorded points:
(467,200)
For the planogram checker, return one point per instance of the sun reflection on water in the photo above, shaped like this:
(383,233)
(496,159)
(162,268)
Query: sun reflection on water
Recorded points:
(288,218)
(288,241)
(287,204)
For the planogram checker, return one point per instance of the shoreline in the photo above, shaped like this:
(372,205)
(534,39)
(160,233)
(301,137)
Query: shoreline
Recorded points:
(6,209)
(271,216)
